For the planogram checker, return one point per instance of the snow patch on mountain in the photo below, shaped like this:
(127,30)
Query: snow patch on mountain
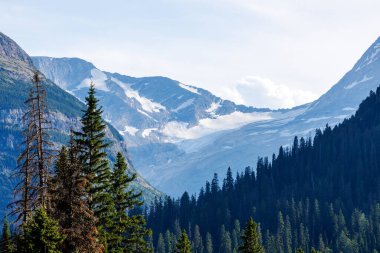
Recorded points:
(176,131)
(353,84)
(130,130)
(189,88)
(213,107)
(146,104)
(147,132)
(184,105)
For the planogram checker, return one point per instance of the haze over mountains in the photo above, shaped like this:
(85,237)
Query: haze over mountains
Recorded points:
(16,70)
(179,135)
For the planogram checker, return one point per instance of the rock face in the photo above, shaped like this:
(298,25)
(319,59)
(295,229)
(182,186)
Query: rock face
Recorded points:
(9,49)
(16,70)
(179,135)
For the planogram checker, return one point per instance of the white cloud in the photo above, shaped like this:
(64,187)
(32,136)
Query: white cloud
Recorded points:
(263,92)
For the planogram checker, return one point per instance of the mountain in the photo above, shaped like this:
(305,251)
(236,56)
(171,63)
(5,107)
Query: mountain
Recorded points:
(179,134)
(16,70)
(321,193)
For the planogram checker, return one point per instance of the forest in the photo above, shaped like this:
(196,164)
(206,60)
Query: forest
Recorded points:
(320,194)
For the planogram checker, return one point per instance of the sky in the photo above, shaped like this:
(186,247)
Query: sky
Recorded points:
(269,53)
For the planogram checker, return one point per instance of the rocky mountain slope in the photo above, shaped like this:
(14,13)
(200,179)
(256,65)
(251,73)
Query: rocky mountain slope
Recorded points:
(16,70)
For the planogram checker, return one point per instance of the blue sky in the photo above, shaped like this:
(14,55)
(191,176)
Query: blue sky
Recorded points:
(269,53)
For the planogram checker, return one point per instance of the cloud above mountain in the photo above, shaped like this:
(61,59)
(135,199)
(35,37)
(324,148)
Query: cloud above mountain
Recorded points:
(263,92)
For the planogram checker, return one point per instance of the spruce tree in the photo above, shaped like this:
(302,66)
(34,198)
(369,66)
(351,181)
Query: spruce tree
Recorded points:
(250,239)
(70,204)
(6,244)
(183,244)
(41,234)
(128,231)
(92,143)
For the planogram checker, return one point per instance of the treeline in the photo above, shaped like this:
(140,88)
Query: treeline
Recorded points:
(319,194)
(71,200)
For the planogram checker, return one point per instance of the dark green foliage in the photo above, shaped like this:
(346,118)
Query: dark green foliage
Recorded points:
(6,244)
(92,143)
(321,193)
(183,244)
(41,234)
(250,239)
(128,231)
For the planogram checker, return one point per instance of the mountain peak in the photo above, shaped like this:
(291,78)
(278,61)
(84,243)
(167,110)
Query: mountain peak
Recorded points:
(10,49)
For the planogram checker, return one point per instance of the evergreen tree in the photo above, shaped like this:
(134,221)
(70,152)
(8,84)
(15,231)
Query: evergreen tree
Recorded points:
(128,231)
(70,203)
(41,234)
(160,244)
(183,244)
(6,244)
(92,145)
(250,239)
(209,245)
(197,240)
(225,241)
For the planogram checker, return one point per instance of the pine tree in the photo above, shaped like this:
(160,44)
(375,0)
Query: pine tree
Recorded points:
(250,239)
(70,204)
(183,244)
(128,231)
(92,145)
(6,245)
(41,234)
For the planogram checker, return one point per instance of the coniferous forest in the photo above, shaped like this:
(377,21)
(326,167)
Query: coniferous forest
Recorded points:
(321,194)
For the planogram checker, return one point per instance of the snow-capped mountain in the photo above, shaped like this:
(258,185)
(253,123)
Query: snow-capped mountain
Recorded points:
(16,71)
(179,135)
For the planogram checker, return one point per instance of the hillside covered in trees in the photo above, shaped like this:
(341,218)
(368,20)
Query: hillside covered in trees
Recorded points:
(319,194)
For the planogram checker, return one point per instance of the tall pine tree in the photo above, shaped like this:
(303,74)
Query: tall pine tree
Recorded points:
(92,143)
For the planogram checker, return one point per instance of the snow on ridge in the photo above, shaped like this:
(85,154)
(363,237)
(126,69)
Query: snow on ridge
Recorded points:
(130,130)
(146,104)
(189,88)
(213,107)
(184,105)
(349,109)
(371,58)
(98,78)
(176,131)
(353,84)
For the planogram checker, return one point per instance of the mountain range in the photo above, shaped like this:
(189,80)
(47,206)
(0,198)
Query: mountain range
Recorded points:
(16,70)
(178,134)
